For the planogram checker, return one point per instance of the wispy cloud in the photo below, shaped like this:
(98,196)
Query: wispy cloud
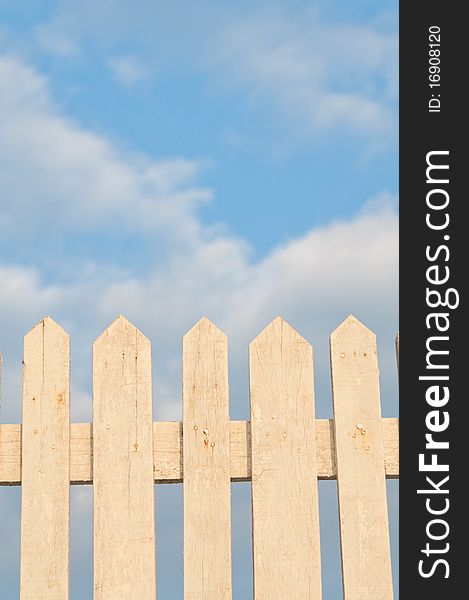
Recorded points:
(127,70)
(316,76)
(53,170)
(313,76)
(56,43)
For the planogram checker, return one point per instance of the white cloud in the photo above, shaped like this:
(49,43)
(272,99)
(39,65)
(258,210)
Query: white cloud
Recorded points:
(127,70)
(318,76)
(313,281)
(52,170)
(59,178)
(312,75)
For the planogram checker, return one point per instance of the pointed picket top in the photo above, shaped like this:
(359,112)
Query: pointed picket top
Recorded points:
(46,324)
(351,326)
(278,327)
(204,326)
(119,327)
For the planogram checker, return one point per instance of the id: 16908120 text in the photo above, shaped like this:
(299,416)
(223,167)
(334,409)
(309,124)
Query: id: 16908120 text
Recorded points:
(434,69)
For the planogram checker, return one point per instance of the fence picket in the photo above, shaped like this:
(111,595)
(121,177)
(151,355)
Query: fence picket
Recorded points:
(45,498)
(366,562)
(283,450)
(284,475)
(206,463)
(124,531)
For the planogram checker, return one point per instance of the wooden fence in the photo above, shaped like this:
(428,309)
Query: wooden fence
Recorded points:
(283,450)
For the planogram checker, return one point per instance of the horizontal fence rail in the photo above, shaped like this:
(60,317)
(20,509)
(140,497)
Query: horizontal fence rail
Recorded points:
(168,449)
(282,449)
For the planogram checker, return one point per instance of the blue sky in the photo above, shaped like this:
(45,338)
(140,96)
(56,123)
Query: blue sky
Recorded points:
(166,160)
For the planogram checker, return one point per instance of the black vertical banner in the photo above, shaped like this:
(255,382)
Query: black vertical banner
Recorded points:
(434,267)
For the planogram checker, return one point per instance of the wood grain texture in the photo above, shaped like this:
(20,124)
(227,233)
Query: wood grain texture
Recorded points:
(10,454)
(167,451)
(124,530)
(366,561)
(206,463)
(286,550)
(45,495)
